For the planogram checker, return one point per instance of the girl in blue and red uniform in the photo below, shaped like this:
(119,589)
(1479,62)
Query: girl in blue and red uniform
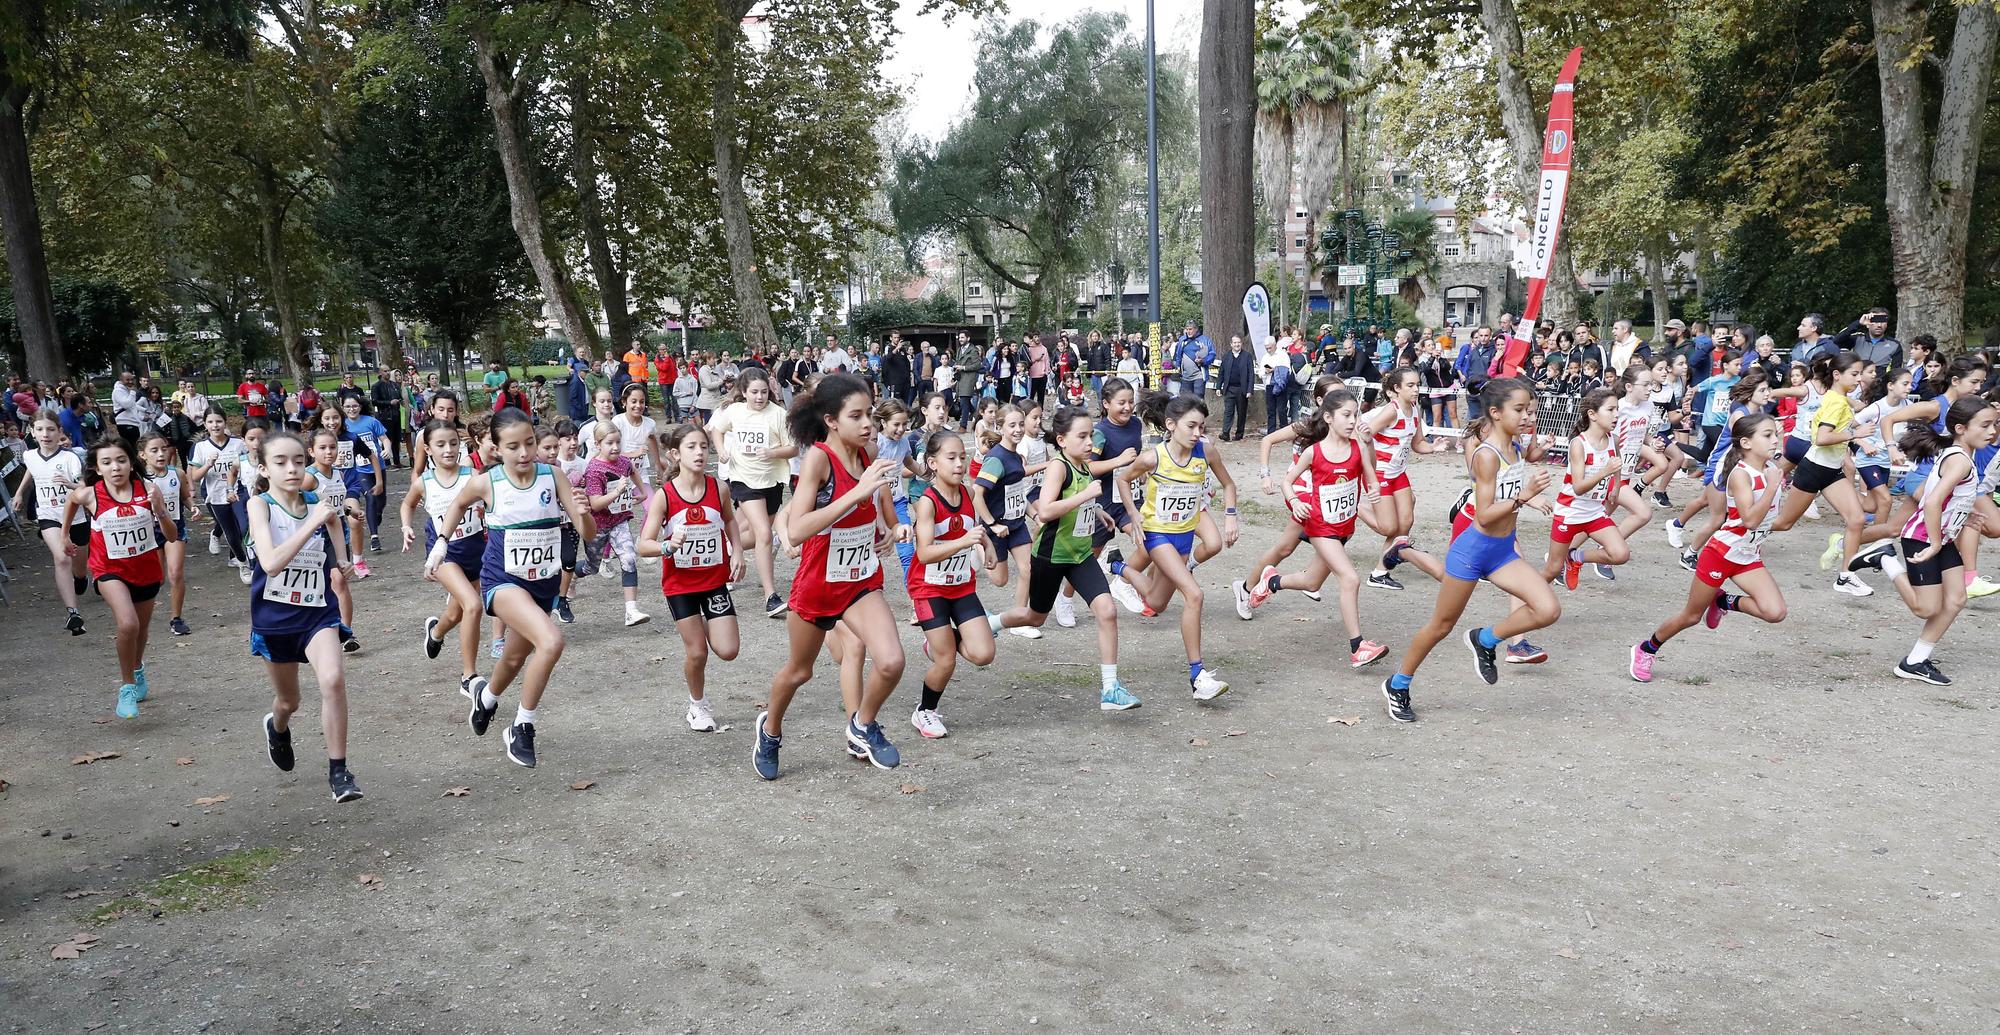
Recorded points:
(434,490)
(834,518)
(691,523)
(124,559)
(943,579)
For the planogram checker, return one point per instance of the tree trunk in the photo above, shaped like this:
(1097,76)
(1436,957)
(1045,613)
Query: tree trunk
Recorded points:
(1521,117)
(1311,264)
(754,309)
(510,135)
(1228,106)
(1656,281)
(1931,170)
(590,209)
(388,347)
(27,262)
(271,224)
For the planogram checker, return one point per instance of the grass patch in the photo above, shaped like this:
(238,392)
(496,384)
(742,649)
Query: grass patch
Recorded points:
(1694,680)
(1841,653)
(1957,702)
(209,885)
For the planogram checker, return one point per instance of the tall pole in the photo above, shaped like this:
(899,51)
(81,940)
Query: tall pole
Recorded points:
(1152,181)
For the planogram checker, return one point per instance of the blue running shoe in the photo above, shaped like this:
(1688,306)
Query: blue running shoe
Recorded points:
(497,648)
(139,680)
(1525,653)
(764,756)
(1117,699)
(128,701)
(867,742)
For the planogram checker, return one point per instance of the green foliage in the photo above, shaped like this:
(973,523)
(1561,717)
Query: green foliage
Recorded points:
(1619,301)
(98,321)
(871,319)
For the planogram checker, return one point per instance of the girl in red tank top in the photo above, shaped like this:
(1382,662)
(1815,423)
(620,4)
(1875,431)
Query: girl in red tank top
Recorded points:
(835,518)
(127,524)
(944,576)
(690,523)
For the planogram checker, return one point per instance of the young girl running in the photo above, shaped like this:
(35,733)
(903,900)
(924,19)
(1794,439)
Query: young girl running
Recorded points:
(171,489)
(1750,394)
(1394,426)
(1633,433)
(249,475)
(1752,485)
(1930,577)
(465,543)
(942,581)
(610,484)
(325,479)
(1587,483)
(1964,378)
(213,465)
(444,407)
(1820,470)
(1325,485)
(893,441)
(833,516)
(356,484)
(636,438)
(691,523)
(293,618)
(127,521)
(1873,457)
(520,571)
(1486,549)
(1002,506)
(1072,506)
(54,472)
(751,438)
(1118,437)
(1176,530)
(1300,433)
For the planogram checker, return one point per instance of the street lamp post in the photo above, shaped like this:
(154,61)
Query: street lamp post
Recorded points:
(961,285)
(1152,181)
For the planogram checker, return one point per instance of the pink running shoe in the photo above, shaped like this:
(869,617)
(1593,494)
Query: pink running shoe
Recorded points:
(1370,651)
(361,570)
(1262,590)
(1642,665)
(1713,616)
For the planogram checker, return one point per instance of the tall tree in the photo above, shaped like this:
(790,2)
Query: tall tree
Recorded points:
(753,308)
(1931,148)
(1521,118)
(1227,100)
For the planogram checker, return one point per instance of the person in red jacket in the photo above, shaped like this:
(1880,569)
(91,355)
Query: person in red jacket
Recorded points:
(254,395)
(667,372)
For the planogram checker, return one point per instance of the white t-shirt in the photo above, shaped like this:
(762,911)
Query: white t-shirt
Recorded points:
(632,438)
(54,477)
(747,429)
(214,485)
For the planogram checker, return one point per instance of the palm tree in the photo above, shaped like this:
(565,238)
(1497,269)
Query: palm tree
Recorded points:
(1306,77)
(1280,78)
(1418,232)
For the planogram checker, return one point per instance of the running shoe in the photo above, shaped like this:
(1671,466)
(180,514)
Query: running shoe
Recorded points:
(481,716)
(350,646)
(128,702)
(1851,584)
(1524,653)
(929,724)
(497,647)
(699,718)
(1208,686)
(1026,632)
(1676,536)
(1312,595)
(1127,595)
(375,544)
(520,741)
(341,783)
(1572,571)
(74,623)
(278,743)
(1870,556)
(1485,660)
(139,680)
(1394,554)
(1368,653)
(774,605)
(179,627)
(634,616)
(1243,608)
(1262,591)
(243,574)
(469,687)
(1603,571)
(867,743)
(214,544)
(1660,500)
(1397,703)
(1117,699)
(1981,587)
(1923,671)
(1065,611)
(1831,554)
(1687,560)
(563,613)
(1642,665)
(361,570)
(1812,511)
(1384,581)
(1712,617)
(432,645)
(764,754)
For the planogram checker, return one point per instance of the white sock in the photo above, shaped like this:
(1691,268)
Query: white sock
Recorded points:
(1921,652)
(631,605)
(992,621)
(523,716)
(1109,673)
(1378,572)
(1576,556)
(487,700)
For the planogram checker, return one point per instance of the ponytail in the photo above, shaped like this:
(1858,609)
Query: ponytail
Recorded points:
(1924,441)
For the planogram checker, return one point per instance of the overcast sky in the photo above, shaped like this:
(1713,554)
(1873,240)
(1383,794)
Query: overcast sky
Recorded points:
(933,61)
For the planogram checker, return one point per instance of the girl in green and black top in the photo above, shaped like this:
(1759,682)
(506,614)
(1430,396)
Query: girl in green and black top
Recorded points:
(1070,512)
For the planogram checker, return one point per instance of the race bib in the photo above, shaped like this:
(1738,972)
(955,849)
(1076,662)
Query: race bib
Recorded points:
(470,524)
(850,553)
(172,500)
(301,583)
(955,570)
(49,501)
(750,441)
(1630,459)
(701,546)
(1175,503)
(1747,546)
(334,491)
(344,455)
(126,535)
(533,554)
(1016,501)
(1339,502)
(1086,520)
(624,503)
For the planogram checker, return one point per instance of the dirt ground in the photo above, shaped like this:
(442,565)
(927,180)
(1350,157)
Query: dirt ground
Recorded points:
(1775,835)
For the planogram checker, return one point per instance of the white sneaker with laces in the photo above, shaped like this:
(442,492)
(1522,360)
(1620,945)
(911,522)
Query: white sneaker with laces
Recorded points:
(699,718)
(929,723)
(214,544)
(1065,611)
(634,616)
(1851,584)
(1208,686)
(1026,632)
(243,574)
(1127,595)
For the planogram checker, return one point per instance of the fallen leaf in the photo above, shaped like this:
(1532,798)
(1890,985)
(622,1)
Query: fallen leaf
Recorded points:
(1236,733)
(183,761)
(93,756)
(909,788)
(583,785)
(80,893)
(1200,742)
(216,800)
(457,792)
(370,880)
(1566,953)
(1343,720)
(65,951)
(82,939)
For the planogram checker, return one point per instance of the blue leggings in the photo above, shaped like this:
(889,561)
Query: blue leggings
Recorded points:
(906,551)
(229,524)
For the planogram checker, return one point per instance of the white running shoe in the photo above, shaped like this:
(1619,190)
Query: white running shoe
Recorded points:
(243,574)
(1676,534)
(1065,611)
(634,616)
(1312,595)
(1242,593)
(1208,686)
(1026,632)
(1127,595)
(214,544)
(929,723)
(1812,511)
(699,718)
(1851,584)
